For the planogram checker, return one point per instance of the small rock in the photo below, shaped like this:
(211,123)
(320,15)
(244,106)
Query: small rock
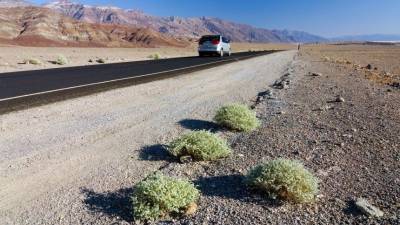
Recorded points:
(322,173)
(269,92)
(339,99)
(347,135)
(366,208)
(340,202)
(325,108)
(320,196)
(90,60)
(239,171)
(398,157)
(240,155)
(316,74)
(396,84)
(335,169)
(368,67)
(186,159)
(281,84)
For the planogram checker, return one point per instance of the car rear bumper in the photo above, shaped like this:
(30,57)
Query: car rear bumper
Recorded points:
(210,52)
(209,49)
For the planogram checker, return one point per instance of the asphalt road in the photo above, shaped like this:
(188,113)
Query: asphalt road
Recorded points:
(20,84)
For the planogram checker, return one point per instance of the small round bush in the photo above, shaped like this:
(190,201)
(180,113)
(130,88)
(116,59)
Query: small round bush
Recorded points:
(61,60)
(154,56)
(161,196)
(237,117)
(201,145)
(284,179)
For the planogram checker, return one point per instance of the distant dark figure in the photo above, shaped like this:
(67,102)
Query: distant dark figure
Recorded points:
(298,47)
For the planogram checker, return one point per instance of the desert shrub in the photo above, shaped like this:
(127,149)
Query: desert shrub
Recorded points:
(32,61)
(284,179)
(201,145)
(155,56)
(160,196)
(61,60)
(237,117)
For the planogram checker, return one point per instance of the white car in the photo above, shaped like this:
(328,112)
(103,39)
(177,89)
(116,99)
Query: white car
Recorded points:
(214,44)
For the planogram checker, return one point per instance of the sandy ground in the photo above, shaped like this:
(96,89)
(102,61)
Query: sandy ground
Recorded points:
(73,162)
(12,57)
(383,59)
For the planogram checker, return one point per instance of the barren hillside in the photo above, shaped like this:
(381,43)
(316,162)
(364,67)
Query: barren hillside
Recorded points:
(178,27)
(36,26)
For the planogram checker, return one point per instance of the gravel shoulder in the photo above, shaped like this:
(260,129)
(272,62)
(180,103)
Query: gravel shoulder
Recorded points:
(75,162)
(351,146)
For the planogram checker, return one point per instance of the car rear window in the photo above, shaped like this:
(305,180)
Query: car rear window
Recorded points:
(208,38)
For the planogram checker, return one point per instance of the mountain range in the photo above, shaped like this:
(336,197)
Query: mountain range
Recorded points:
(176,26)
(34,26)
(14,3)
(67,23)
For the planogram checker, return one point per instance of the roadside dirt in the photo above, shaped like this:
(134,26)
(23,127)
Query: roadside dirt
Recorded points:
(351,146)
(75,162)
(378,63)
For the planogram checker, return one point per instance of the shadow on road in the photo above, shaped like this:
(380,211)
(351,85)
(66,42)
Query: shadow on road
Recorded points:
(112,204)
(193,124)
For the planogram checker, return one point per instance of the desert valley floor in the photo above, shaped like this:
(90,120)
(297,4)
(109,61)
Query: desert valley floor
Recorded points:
(77,161)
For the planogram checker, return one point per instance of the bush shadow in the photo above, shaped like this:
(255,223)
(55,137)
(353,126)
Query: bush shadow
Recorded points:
(233,187)
(155,153)
(194,124)
(112,204)
(52,62)
(352,209)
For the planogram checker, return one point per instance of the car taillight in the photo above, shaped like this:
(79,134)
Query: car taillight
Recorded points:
(215,42)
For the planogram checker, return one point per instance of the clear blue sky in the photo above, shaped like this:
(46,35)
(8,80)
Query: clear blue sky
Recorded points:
(323,17)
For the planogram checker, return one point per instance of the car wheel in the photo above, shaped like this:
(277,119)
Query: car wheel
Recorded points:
(221,53)
(229,53)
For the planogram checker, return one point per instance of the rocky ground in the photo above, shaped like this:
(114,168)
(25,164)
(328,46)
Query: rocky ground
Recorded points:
(343,127)
(377,62)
